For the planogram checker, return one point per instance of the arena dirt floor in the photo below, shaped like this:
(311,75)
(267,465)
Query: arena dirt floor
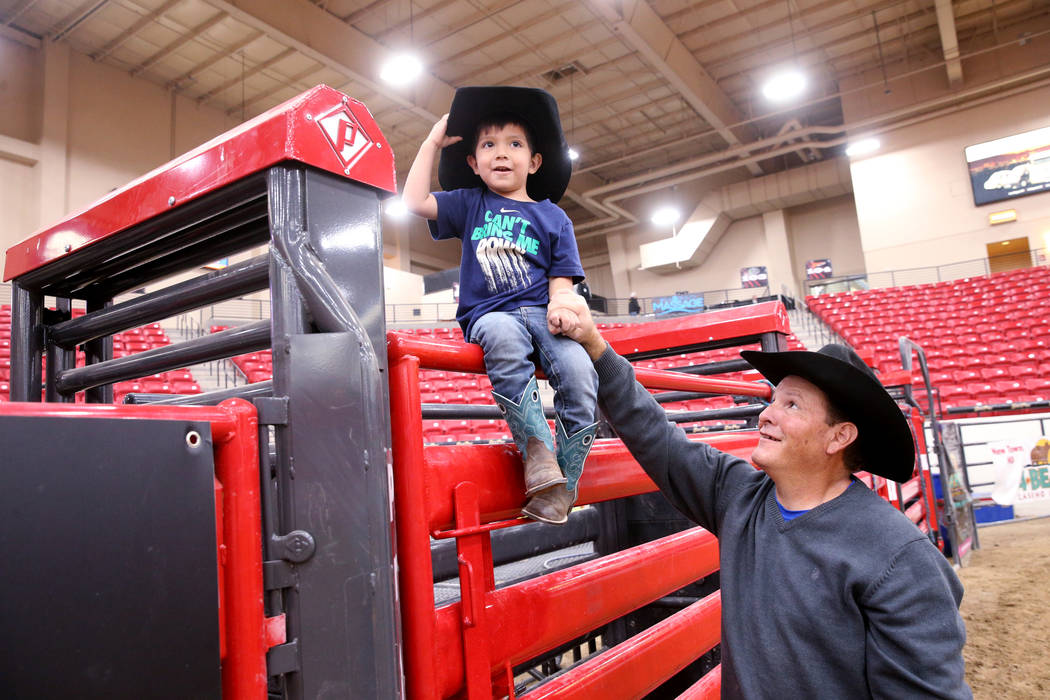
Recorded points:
(1006,611)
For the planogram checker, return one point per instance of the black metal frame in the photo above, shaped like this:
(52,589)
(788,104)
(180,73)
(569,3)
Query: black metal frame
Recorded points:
(324,417)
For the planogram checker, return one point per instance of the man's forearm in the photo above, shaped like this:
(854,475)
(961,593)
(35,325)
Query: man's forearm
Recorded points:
(594,344)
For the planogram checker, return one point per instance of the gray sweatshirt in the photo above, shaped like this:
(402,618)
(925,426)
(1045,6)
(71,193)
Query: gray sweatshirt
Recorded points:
(849,600)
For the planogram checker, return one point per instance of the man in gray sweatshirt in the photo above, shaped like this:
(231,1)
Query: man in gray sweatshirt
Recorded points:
(827,590)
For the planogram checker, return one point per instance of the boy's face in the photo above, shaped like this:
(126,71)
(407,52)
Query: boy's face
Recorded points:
(504,160)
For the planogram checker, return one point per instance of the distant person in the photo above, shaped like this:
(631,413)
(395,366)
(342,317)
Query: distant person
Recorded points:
(584,291)
(633,308)
(827,590)
(519,251)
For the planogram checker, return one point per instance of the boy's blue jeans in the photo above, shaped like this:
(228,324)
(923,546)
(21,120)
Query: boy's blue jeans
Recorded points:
(512,340)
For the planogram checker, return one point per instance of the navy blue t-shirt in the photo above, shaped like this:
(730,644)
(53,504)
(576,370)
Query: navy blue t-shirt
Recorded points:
(510,248)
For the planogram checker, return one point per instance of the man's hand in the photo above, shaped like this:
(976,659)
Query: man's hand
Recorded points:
(575,321)
(437,135)
(561,321)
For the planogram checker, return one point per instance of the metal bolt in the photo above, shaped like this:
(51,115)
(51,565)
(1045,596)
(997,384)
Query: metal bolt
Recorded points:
(309,117)
(69,247)
(345,99)
(193,439)
(171,200)
(379,145)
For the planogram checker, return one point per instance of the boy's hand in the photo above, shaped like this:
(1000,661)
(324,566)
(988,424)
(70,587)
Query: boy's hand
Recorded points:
(437,135)
(568,304)
(561,321)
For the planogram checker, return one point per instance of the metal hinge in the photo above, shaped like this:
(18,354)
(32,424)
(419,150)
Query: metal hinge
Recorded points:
(297,546)
(283,658)
(272,410)
(278,574)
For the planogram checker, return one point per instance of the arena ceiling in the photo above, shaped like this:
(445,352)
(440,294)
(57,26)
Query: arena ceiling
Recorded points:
(642,84)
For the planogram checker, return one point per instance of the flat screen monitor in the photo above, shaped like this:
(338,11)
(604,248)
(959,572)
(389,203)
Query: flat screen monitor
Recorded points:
(1010,167)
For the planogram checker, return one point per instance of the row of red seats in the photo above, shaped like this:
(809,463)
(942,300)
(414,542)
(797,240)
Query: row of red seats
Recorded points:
(253,366)
(987,340)
(126,343)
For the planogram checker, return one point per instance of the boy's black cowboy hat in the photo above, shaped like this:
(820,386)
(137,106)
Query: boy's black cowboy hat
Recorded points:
(537,108)
(884,438)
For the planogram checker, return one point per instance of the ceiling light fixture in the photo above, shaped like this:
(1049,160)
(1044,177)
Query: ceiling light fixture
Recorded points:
(863,147)
(665,215)
(785,85)
(401,69)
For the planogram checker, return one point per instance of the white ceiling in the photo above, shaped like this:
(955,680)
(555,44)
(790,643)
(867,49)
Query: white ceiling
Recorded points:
(642,84)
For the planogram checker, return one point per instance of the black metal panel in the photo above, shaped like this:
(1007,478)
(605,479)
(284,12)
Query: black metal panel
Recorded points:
(219,285)
(347,628)
(27,343)
(108,538)
(220,223)
(287,318)
(344,221)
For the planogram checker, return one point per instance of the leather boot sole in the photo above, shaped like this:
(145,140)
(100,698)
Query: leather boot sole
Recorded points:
(550,506)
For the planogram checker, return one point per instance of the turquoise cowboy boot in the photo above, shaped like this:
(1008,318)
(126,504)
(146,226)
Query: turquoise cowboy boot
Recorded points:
(553,504)
(532,435)
(572,453)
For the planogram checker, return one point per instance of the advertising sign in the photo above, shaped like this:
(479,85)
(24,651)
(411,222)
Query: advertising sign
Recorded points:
(818,269)
(1022,472)
(680,303)
(1010,167)
(754,276)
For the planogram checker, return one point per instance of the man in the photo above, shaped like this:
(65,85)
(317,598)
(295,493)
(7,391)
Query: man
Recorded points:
(827,590)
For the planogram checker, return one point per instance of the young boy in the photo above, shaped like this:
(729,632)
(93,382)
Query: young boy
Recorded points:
(503,170)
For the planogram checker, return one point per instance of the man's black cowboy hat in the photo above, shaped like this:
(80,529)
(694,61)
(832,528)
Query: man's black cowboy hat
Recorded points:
(884,438)
(537,108)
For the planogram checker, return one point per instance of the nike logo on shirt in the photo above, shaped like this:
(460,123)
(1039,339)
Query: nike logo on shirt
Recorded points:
(508,211)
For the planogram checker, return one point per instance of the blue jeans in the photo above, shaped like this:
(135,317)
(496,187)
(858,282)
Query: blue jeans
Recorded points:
(514,340)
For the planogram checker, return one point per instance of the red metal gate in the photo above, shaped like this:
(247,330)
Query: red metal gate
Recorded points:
(468,648)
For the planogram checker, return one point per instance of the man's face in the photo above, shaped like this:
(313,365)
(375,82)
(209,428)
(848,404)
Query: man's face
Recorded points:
(504,161)
(793,430)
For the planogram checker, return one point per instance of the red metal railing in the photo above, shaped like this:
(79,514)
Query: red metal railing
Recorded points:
(245,633)
(469,648)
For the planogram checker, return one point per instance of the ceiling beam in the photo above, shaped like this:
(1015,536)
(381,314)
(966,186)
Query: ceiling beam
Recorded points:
(19,36)
(321,36)
(285,83)
(647,34)
(74,18)
(192,73)
(174,46)
(17,12)
(245,75)
(949,41)
(134,29)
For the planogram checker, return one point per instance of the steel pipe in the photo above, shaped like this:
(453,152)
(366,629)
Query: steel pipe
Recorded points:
(253,336)
(235,280)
